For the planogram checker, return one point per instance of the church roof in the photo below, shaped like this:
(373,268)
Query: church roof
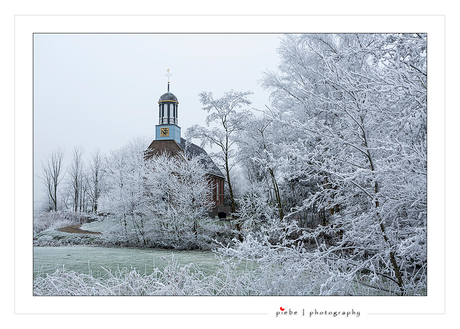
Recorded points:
(192,150)
(168,97)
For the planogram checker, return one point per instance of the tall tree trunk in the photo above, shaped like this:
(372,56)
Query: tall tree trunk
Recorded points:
(232,199)
(277,194)
(393,261)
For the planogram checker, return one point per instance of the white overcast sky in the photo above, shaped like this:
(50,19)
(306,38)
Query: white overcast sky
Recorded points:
(98,91)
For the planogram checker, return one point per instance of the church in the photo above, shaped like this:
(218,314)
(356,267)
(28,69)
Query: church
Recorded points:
(168,140)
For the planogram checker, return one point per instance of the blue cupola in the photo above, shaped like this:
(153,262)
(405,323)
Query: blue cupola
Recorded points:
(168,113)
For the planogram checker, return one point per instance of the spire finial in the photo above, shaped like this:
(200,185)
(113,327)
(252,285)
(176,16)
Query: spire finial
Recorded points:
(168,75)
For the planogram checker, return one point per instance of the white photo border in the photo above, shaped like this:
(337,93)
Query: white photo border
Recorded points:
(26,26)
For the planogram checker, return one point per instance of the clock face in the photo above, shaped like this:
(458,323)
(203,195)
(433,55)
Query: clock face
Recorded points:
(164,132)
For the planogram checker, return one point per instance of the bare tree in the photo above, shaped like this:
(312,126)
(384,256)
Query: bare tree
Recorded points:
(95,177)
(76,179)
(52,175)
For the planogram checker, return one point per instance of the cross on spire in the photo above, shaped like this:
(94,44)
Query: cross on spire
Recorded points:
(168,75)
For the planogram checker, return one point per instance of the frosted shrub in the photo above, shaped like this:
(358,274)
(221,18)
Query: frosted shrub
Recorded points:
(156,234)
(45,240)
(67,240)
(254,208)
(229,279)
(286,266)
(173,280)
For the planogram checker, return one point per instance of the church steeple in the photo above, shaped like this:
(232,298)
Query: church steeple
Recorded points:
(168,107)
(168,113)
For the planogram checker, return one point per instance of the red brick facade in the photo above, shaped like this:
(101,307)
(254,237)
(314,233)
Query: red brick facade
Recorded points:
(217,185)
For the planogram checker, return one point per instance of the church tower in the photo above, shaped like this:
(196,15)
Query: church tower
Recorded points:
(168,113)
(168,140)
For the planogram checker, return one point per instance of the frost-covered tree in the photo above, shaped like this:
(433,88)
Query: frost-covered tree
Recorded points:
(77,180)
(124,197)
(357,106)
(161,201)
(95,178)
(53,175)
(224,122)
(179,195)
(258,149)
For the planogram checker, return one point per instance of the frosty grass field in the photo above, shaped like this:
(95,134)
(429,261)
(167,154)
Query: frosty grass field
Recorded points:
(95,260)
